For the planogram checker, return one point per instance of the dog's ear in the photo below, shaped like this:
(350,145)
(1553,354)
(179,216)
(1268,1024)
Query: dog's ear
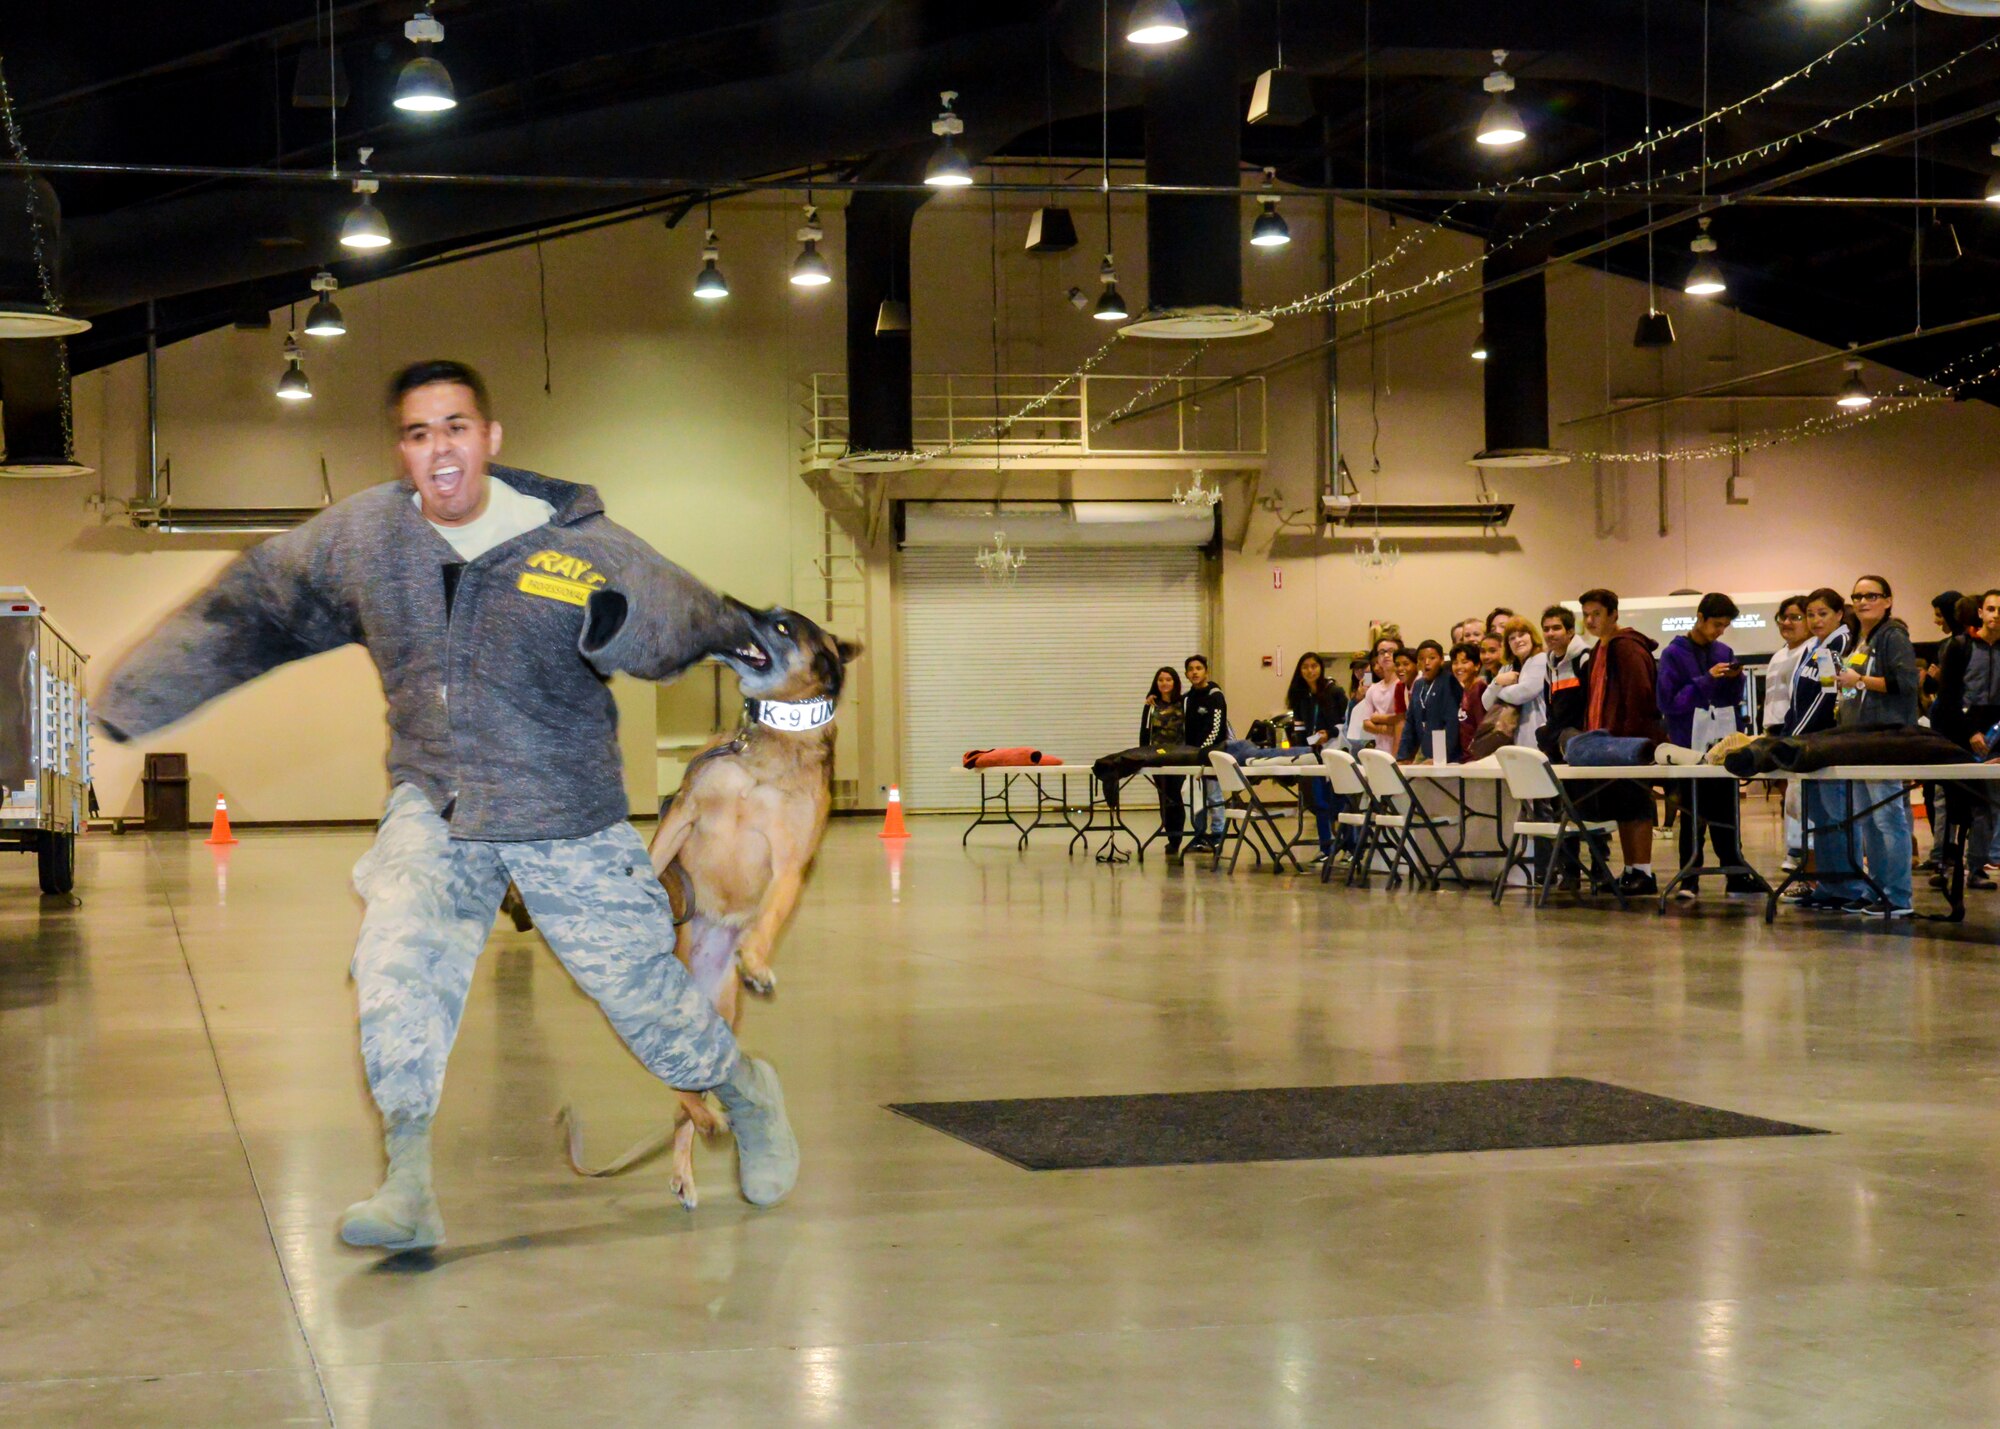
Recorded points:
(850,651)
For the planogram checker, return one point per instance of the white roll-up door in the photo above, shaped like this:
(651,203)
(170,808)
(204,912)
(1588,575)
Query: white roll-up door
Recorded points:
(1059,660)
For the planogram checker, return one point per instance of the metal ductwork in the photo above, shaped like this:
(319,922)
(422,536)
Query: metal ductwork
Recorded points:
(1517,361)
(1194,242)
(36,439)
(878,352)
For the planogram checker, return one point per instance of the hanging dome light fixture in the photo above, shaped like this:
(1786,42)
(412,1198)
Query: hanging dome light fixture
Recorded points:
(364,227)
(948,168)
(709,282)
(1500,126)
(424,84)
(293,386)
(1156,22)
(1705,279)
(1854,393)
(1479,348)
(809,269)
(1110,305)
(1270,230)
(323,318)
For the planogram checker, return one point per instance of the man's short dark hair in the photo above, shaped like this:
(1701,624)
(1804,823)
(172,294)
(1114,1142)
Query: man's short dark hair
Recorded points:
(439,369)
(1467,649)
(1965,614)
(1717,606)
(1562,613)
(1598,595)
(1987,595)
(1192,659)
(1423,645)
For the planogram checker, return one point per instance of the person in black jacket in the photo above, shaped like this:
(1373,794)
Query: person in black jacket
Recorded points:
(1207,723)
(1319,711)
(1434,702)
(1163,725)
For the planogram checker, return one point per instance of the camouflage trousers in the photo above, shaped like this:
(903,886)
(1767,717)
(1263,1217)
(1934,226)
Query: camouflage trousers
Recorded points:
(431,903)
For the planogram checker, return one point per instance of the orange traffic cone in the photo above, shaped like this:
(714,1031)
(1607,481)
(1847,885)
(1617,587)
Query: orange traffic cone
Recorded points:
(219,834)
(892,819)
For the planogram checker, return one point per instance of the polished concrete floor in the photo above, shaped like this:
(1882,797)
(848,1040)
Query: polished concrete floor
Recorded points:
(182,1119)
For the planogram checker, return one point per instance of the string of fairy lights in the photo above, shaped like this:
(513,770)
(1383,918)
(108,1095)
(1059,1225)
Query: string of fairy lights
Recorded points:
(1334,299)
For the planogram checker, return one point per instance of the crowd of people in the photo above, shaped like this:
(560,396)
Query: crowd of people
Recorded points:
(1848,663)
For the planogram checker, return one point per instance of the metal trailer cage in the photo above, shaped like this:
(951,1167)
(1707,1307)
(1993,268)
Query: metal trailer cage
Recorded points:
(44,739)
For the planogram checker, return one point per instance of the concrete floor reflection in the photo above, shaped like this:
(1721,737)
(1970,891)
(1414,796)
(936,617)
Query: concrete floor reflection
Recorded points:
(182,1118)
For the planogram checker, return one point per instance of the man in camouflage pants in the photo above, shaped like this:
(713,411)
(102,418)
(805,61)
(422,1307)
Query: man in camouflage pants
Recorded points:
(495,605)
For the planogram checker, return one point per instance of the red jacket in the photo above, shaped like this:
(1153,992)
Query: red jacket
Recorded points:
(1471,710)
(1622,697)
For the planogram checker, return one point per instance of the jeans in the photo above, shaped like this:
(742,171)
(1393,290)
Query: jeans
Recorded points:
(1210,820)
(1886,839)
(1325,804)
(1880,840)
(1721,827)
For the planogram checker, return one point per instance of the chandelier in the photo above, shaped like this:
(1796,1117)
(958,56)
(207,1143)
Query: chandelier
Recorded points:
(1376,558)
(999,564)
(1197,495)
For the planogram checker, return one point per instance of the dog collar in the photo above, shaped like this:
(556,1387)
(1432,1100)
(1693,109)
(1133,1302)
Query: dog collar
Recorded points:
(794,717)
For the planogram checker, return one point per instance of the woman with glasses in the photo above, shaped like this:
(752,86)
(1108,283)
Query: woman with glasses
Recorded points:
(1778,673)
(1878,684)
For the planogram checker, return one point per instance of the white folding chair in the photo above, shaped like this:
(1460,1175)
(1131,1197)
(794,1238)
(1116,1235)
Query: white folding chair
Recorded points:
(1531,779)
(1343,775)
(1398,818)
(1247,818)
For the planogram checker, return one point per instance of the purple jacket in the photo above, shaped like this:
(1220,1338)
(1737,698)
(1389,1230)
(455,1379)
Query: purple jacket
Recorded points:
(1686,686)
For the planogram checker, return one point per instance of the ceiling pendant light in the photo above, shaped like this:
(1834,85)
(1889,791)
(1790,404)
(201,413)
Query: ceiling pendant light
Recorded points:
(709,282)
(323,318)
(364,226)
(1479,349)
(1705,279)
(1654,329)
(424,85)
(1500,126)
(1854,393)
(809,269)
(1993,184)
(1280,96)
(1110,305)
(292,386)
(1936,244)
(1156,22)
(1270,231)
(948,168)
(892,316)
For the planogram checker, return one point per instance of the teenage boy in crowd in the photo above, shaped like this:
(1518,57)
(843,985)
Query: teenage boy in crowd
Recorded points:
(1434,701)
(1206,715)
(1697,674)
(1619,684)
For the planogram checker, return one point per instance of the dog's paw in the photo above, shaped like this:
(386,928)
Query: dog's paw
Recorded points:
(761,981)
(683,1189)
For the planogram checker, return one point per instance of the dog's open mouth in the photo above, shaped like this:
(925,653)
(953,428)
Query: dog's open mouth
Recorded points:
(753,656)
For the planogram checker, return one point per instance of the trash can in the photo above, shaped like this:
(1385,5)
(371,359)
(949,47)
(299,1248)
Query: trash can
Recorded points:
(166,786)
